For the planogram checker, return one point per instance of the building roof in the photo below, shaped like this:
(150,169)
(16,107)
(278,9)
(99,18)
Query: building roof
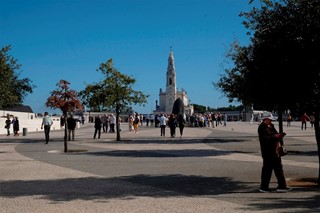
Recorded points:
(20,108)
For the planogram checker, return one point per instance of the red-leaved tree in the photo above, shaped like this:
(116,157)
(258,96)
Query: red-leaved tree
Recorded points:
(67,100)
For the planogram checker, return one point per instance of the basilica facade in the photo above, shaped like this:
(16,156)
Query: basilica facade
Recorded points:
(171,94)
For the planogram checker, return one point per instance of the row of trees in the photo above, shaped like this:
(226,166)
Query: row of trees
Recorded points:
(280,68)
(114,93)
(202,109)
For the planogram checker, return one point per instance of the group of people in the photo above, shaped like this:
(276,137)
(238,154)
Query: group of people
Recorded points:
(134,120)
(14,121)
(106,121)
(47,123)
(304,119)
(172,121)
(208,119)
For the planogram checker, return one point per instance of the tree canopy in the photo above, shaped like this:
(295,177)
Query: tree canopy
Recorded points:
(13,89)
(67,100)
(280,68)
(115,92)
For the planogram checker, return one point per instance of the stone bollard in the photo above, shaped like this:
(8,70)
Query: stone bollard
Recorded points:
(24,131)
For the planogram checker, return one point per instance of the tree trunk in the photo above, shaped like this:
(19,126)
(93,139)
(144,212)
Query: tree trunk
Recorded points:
(280,120)
(317,133)
(118,124)
(65,132)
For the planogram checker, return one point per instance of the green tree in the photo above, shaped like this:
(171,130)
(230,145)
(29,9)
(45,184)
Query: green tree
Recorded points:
(67,101)
(279,68)
(199,108)
(114,92)
(12,89)
(93,96)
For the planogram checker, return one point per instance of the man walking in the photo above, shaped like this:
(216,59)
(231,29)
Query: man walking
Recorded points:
(163,123)
(46,124)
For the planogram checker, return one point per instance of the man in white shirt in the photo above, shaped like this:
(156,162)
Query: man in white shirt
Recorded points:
(112,120)
(163,123)
(46,123)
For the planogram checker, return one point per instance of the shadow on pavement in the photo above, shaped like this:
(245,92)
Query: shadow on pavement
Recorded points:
(158,153)
(166,186)
(120,187)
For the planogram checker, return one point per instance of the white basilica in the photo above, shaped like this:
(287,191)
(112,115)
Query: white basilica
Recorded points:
(168,97)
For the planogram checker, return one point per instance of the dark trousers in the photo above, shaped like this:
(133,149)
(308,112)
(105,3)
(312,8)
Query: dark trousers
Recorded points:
(181,130)
(97,130)
(105,127)
(70,134)
(269,164)
(46,132)
(163,130)
(172,131)
(112,128)
(8,131)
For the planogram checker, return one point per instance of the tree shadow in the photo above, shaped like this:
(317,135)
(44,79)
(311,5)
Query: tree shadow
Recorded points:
(175,140)
(158,153)
(288,203)
(302,153)
(161,186)
(120,187)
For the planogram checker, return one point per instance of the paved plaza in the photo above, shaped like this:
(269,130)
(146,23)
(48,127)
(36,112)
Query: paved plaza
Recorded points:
(207,170)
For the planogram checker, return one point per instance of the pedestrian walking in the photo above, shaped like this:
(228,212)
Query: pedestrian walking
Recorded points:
(104,120)
(141,120)
(181,121)
(97,127)
(16,126)
(172,123)
(163,124)
(225,119)
(251,119)
(312,120)
(136,122)
(289,119)
(148,120)
(8,125)
(46,124)
(304,119)
(112,121)
(71,122)
(130,123)
(269,139)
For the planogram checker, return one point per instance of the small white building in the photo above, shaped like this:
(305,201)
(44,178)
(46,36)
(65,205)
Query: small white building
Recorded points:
(28,120)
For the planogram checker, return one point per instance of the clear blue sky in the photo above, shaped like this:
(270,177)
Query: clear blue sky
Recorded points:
(68,39)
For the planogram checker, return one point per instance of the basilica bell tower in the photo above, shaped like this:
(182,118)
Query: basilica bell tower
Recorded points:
(171,87)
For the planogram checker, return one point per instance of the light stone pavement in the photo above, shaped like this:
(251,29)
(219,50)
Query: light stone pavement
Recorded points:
(204,171)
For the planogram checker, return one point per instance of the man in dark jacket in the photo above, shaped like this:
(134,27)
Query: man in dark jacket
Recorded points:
(71,122)
(97,127)
(269,137)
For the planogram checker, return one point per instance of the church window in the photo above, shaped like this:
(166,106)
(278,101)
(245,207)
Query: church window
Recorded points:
(170,81)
